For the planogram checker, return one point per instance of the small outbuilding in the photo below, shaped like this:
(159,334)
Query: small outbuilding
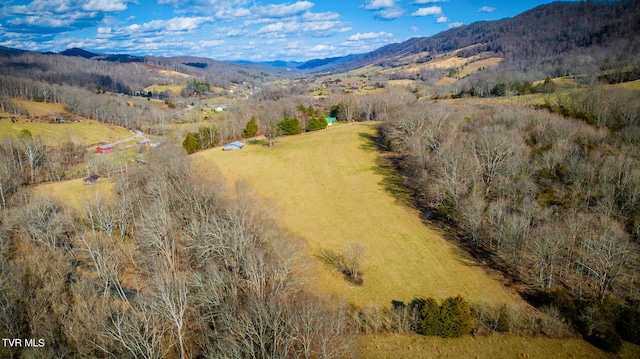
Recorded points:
(330,120)
(105,149)
(233,146)
(93,179)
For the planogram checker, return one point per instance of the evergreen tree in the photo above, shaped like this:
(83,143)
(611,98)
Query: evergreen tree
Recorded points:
(455,318)
(290,126)
(251,129)
(191,143)
(429,317)
(317,123)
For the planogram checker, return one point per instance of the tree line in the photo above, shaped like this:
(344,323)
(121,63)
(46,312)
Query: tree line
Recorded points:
(552,201)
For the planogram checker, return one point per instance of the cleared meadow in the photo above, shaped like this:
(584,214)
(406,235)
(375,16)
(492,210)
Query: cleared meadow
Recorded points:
(74,192)
(88,132)
(333,188)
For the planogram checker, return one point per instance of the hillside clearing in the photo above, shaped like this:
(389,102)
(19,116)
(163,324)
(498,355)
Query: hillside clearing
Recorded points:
(333,188)
(74,193)
(87,132)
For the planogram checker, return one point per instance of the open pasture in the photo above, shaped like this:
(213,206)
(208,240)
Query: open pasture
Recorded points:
(333,188)
(88,132)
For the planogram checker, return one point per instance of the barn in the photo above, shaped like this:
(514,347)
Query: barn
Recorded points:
(233,146)
(105,149)
(330,120)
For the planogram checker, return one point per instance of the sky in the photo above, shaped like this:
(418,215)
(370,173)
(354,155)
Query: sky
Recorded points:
(259,30)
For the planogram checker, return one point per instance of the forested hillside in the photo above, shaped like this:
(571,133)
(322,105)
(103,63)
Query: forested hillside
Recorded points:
(173,265)
(552,201)
(558,39)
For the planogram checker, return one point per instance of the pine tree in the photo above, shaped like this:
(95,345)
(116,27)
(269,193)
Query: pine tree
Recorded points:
(251,129)
(455,318)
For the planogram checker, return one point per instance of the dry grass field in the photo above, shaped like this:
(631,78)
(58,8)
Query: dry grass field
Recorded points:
(333,188)
(74,192)
(496,346)
(173,89)
(632,85)
(88,131)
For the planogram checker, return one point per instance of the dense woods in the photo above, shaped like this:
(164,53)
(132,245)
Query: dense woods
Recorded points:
(174,266)
(551,200)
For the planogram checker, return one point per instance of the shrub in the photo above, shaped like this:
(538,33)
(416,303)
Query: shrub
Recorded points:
(628,325)
(290,126)
(317,123)
(504,320)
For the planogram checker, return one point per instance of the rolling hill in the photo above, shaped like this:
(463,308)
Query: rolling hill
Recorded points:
(549,33)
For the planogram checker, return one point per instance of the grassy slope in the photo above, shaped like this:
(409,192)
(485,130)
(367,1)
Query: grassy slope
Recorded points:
(332,188)
(88,131)
(74,192)
(495,347)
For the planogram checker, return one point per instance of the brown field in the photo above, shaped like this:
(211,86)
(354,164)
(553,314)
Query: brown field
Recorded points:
(333,188)
(632,85)
(74,192)
(495,346)
(474,67)
(173,89)
(87,131)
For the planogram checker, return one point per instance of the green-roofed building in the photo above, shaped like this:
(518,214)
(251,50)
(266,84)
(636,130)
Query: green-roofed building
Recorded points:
(330,120)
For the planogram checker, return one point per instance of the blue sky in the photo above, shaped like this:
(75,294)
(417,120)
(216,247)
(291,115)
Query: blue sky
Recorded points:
(259,30)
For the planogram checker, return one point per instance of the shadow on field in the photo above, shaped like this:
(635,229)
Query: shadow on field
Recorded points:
(392,180)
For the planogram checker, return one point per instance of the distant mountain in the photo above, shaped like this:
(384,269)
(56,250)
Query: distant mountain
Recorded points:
(550,32)
(277,63)
(7,51)
(320,64)
(283,63)
(77,52)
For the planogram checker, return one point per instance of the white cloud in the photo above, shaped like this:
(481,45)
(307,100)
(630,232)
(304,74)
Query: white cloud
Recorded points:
(422,2)
(369,36)
(211,43)
(105,5)
(390,13)
(487,9)
(414,29)
(379,4)
(176,24)
(322,48)
(455,24)
(320,16)
(283,10)
(442,19)
(427,11)
(312,28)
